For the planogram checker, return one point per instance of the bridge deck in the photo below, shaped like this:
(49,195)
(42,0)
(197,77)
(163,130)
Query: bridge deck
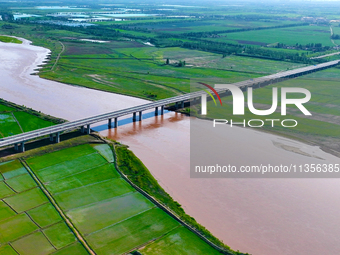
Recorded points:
(16,139)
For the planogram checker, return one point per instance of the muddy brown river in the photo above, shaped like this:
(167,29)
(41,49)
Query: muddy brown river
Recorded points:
(259,216)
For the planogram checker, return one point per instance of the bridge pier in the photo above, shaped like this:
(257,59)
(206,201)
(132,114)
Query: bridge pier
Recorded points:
(182,104)
(134,117)
(22,147)
(57,137)
(88,129)
(174,102)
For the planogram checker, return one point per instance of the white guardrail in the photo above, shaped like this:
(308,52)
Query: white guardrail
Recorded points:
(16,139)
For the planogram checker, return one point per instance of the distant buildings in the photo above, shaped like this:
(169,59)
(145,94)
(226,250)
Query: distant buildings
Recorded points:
(315,19)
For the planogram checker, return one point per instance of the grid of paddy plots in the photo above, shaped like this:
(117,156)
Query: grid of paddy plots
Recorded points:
(110,214)
(29,224)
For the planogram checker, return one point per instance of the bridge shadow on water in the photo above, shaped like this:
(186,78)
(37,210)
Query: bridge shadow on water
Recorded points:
(124,129)
(126,121)
(158,125)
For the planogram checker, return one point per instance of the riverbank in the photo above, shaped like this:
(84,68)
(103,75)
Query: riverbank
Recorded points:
(243,213)
(140,177)
(31,112)
(50,97)
(125,162)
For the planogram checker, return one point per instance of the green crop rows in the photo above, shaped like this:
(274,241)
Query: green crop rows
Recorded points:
(29,224)
(111,215)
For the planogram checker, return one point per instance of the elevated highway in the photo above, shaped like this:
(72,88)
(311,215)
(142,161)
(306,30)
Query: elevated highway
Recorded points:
(85,124)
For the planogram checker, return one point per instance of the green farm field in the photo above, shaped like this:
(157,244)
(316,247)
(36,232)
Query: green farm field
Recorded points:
(29,224)
(135,69)
(289,36)
(109,213)
(125,65)
(207,25)
(15,120)
(8,39)
(179,237)
(138,71)
(151,57)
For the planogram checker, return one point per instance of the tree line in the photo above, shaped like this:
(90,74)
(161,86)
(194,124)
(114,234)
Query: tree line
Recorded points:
(107,33)
(315,47)
(211,33)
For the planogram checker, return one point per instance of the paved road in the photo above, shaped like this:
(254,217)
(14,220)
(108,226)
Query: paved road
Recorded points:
(327,55)
(16,139)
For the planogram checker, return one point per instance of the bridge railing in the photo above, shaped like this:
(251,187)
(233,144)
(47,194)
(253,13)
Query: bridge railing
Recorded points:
(123,112)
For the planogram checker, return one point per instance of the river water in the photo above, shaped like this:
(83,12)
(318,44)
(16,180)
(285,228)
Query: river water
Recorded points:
(17,62)
(259,216)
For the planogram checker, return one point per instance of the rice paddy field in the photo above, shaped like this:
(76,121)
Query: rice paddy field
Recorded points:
(88,194)
(110,215)
(29,224)
(15,121)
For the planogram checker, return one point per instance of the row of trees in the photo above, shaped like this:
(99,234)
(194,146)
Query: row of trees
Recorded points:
(275,55)
(223,48)
(6,15)
(335,37)
(108,33)
(212,33)
(315,47)
(227,49)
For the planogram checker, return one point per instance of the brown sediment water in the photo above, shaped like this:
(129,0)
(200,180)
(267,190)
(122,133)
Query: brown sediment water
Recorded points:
(18,61)
(259,216)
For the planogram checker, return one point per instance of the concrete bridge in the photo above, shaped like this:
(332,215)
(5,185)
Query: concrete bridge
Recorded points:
(85,124)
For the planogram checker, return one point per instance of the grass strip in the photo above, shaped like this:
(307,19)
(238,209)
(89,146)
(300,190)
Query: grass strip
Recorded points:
(8,39)
(135,172)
